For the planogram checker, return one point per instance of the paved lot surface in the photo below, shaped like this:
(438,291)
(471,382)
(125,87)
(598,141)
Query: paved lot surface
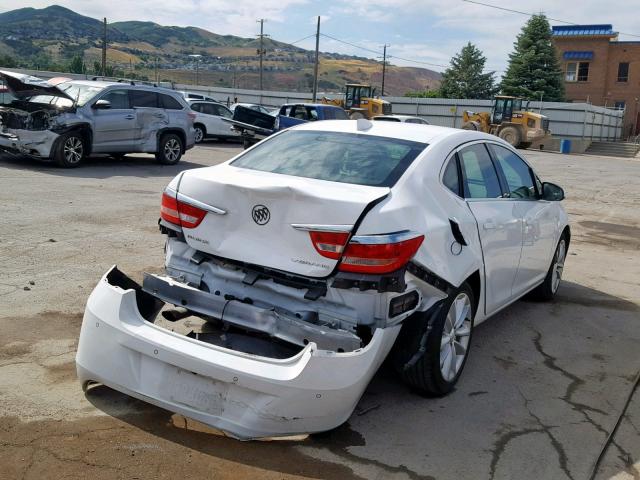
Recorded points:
(543,387)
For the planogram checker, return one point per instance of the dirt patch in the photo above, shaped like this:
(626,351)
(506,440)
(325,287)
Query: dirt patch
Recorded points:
(611,234)
(47,325)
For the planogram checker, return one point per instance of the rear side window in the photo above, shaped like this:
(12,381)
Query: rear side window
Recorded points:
(143,98)
(334,156)
(169,102)
(480,177)
(516,172)
(450,176)
(119,99)
(196,107)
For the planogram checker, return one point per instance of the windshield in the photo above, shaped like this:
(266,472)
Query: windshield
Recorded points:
(334,156)
(81,94)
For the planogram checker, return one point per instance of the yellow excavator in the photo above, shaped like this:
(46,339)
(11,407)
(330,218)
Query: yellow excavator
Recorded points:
(509,121)
(360,102)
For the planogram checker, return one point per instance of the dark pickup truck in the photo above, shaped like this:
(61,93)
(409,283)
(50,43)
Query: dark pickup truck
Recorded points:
(255,125)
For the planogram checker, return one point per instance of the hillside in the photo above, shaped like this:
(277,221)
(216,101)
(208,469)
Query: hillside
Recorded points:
(50,37)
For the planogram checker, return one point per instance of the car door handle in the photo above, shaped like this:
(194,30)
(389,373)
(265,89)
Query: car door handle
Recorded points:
(489,225)
(129,117)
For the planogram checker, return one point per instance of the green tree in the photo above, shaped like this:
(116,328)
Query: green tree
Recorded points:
(424,94)
(7,61)
(76,65)
(465,78)
(97,67)
(534,68)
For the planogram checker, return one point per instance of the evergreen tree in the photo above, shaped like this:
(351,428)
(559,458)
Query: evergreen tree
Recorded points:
(465,77)
(76,65)
(534,69)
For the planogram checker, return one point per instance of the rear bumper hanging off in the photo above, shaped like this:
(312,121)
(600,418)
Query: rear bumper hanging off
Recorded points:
(244,395)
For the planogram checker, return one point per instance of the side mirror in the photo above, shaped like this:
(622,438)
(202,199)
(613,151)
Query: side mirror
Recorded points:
(552,192)
(102,105)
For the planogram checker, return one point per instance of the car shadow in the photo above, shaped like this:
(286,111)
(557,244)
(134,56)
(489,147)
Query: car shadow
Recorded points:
(512,355)
(101,166)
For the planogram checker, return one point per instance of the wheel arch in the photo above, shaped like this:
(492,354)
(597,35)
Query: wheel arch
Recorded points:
(201,125)
(83,128)
(177,131)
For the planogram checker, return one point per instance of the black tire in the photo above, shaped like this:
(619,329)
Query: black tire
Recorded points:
(548,289)
(511,135)
(426,373)
(70,150)
(475,126)
(170,149)
(524,145)
(200,132)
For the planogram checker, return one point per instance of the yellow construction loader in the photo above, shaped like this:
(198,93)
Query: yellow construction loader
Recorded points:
(509,121)
(359,102)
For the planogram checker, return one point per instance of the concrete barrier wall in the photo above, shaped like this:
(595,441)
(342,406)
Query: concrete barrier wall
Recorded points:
(566,120)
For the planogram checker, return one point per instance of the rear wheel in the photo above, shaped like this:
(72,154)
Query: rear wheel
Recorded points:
(447,345)
(169,149)
(70,150)
(356,115)
(511,135)
(200,133)
(547,289)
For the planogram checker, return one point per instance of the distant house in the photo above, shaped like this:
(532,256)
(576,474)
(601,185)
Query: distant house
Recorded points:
(600,69)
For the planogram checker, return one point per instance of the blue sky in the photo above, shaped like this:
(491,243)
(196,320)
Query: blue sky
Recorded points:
(428,31)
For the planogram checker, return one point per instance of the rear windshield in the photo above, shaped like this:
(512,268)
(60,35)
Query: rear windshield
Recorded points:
(334,156)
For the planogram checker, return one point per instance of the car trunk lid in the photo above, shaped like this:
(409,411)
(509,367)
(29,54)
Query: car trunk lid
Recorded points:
(264,218)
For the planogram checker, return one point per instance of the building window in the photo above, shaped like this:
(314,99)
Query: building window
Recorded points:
(583,71)
(619,105)
(577,72)
(623,71)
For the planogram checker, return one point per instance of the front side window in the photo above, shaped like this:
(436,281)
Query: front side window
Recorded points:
(516,173)
(333,156)
(623,71)
(143,99)
(119,99)
(196,107)
(480,177)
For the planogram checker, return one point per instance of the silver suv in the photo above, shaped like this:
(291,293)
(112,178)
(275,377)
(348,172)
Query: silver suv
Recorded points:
(65,120)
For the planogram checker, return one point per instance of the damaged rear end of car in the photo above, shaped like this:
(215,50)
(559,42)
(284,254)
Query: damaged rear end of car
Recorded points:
(275,310)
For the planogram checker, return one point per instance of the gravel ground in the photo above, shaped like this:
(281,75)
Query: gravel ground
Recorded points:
(543,387)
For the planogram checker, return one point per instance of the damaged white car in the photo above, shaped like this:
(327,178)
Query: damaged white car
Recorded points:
(293,269)
(65,120)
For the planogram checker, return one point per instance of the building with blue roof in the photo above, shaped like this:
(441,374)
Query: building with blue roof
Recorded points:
(600,69)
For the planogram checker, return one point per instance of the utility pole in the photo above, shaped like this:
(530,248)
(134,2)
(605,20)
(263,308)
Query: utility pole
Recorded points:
(157,77)
(315,68)
(104,47)
(384,66)
(261,50)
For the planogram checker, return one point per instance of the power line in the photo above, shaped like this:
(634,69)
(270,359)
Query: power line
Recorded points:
(377,52)
(528,14)
(303,38)
(418,61)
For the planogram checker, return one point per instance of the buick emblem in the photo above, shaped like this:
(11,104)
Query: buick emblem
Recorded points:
(260,214)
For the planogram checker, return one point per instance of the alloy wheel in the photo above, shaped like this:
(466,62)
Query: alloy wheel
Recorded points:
(456,332)
(172,150)
(558,265)
(73,150)
(199,135)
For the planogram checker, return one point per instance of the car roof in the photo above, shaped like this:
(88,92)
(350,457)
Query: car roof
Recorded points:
(108,83)
(198,100)
(323,105)
(404,131)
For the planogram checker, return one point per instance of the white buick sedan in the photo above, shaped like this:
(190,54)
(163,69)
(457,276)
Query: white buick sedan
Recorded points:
(295,268)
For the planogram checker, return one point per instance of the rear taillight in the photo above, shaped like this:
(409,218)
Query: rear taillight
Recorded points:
(367,253)
(192,116)
(329,244)
(378,253)
(180,213)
